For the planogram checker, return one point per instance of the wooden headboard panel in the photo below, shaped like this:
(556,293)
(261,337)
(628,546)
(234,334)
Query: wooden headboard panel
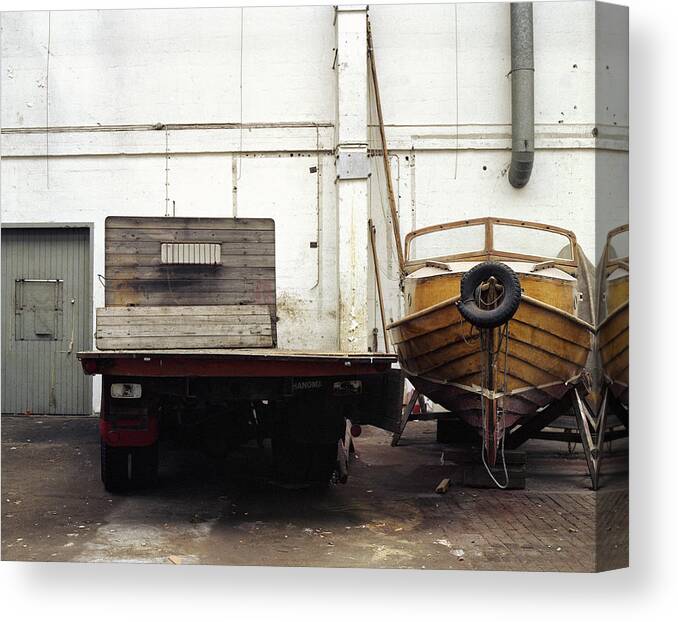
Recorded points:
(140,273)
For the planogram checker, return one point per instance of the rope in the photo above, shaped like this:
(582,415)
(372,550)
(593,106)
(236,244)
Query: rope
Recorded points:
(502,442)
(503,486)
(470,336)
(484,373)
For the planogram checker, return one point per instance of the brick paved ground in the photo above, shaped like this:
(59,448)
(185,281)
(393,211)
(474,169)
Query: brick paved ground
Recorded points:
(388,515)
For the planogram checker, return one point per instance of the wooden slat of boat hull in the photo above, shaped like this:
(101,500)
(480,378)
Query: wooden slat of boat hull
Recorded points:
(520,374)
(522,400)
(442,318)
(615,347)
(613,325)
(545,348)
(618,368)
(430,361)
(424,356)
(428,290)
(526,366)
(549,342)
(613,343)
(617,292)
(467,404)
(431,343)
(450,350)
(550,322)
(532,324)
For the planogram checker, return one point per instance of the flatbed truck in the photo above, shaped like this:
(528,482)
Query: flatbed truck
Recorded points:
(204,368)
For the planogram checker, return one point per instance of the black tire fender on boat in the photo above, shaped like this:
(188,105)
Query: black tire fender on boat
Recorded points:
(508,304)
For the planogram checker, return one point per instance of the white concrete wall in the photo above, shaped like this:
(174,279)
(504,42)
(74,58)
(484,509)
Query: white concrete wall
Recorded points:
(110,76)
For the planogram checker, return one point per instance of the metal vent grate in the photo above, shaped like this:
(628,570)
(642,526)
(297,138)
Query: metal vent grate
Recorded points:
(204,253)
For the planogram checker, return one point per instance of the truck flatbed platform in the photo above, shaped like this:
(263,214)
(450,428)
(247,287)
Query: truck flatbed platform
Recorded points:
(261,362)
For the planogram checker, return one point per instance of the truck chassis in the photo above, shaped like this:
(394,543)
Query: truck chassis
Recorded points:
(308,404)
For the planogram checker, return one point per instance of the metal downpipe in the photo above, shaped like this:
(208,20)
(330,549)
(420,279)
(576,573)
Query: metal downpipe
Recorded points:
(522,94)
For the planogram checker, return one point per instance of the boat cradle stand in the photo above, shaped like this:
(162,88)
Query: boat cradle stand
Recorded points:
(593,428)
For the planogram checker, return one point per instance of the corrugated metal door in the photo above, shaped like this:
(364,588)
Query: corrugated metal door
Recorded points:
(46,319)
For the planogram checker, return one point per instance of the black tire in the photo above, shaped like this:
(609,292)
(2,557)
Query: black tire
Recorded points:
(322,464)
(114,468)
(145,466)
(127,468)
(301,463)
(508,303)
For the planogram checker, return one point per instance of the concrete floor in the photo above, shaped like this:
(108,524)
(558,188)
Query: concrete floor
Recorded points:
(387,515)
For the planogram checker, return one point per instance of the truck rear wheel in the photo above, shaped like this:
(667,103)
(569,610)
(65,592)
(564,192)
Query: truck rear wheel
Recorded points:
(125,468)
(302,463)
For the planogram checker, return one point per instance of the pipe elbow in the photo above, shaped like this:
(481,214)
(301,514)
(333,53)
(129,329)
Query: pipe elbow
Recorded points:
(521,168)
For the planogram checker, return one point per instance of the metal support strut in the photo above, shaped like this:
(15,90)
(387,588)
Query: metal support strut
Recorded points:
(415,398)
(592,432)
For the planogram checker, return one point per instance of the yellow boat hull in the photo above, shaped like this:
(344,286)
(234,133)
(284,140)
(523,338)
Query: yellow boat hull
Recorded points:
(613,345)
(441,354)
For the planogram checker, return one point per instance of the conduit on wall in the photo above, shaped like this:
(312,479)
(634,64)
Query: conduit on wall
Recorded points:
(522,94)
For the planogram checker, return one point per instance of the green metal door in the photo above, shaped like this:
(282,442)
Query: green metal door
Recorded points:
(46,319)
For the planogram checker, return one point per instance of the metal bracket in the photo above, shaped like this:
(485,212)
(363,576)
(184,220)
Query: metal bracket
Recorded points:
(352,162)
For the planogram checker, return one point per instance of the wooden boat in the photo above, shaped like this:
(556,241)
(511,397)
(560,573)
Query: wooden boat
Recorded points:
(613,328)
(494,376)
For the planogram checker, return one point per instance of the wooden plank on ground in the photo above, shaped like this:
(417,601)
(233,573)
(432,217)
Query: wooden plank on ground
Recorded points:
(444,486)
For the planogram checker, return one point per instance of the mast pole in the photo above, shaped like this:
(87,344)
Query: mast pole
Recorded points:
(395,219)
(375,259)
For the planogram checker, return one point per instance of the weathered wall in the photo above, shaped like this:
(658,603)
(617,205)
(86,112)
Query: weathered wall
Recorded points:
(249,104)
(446,95)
